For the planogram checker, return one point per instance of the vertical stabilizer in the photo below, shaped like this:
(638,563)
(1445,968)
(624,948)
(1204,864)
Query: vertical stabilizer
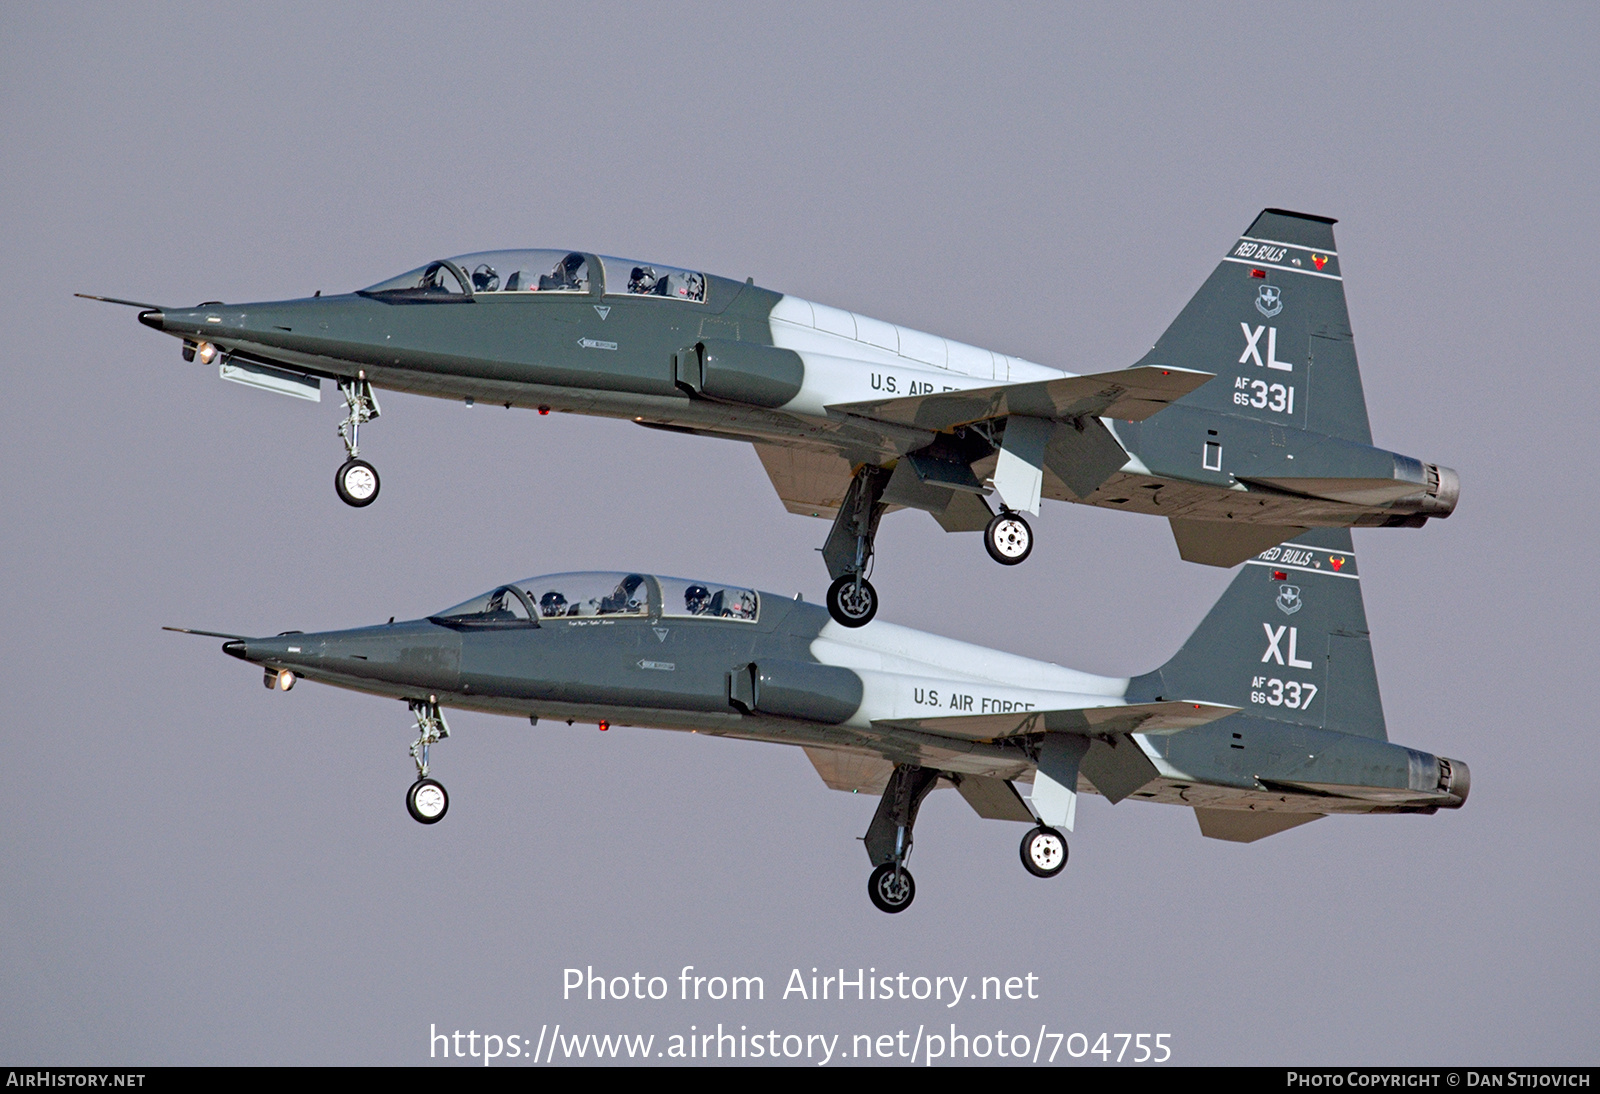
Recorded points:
(1287,642)
(1273,313)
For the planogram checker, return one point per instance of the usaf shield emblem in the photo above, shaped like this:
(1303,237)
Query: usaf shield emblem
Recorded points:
(1269,300)
(1289,600)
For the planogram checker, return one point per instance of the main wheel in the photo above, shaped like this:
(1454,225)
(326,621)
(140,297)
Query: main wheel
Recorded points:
(891,891)
(427,802)
(1044,852)
(1008,539)
(850,606)
(356,483)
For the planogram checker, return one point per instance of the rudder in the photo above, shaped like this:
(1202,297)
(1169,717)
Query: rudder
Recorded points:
(1287,641)
(1271,322)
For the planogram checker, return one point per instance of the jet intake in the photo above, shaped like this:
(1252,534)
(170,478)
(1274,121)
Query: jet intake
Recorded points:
(740,372)
(796,689)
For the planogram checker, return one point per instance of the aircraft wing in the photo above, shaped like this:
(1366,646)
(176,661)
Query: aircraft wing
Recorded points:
(1168,717)
(1131,394)
(812,482)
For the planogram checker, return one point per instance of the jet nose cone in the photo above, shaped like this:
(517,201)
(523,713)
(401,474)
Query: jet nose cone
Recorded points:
(236,648)
(153,318)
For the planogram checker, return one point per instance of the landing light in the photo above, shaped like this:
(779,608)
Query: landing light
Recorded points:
(207,352)
(285,680)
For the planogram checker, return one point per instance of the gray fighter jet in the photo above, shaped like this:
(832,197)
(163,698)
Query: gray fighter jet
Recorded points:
(852,416)
(1267,718)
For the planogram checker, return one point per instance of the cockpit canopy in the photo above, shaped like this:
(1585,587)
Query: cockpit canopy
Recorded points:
(538,272)
(590,594)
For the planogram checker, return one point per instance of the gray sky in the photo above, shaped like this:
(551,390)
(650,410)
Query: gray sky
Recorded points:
(198,871)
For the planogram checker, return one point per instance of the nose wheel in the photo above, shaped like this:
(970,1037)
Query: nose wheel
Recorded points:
(427,801)
(891,888)
(1008,539)
(356,481)
(1044,852)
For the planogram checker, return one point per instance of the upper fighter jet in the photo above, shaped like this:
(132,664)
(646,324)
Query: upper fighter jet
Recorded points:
(1244,425)
(1267,718)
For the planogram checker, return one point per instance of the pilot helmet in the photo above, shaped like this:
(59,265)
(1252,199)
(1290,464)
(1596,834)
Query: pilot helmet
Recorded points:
(552,603)
(696,598)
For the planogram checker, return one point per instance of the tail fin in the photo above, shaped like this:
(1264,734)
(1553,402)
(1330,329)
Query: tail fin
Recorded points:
(1286,642)
(1274,311)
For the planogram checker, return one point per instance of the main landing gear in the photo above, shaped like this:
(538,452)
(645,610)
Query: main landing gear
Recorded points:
(356,481)
(1008,539)
(1044,852)
(852,601)
(888,839)
(427,801)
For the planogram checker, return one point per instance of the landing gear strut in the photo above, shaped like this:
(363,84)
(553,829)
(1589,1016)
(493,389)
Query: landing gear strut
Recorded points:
(888,839)
(427,800)
(356,481)
(852,601)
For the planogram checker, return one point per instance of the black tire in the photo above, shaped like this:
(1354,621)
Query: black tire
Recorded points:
(1008,539)
(1044,852)
(356,483)
(890,893)
(849,608)
(433,806)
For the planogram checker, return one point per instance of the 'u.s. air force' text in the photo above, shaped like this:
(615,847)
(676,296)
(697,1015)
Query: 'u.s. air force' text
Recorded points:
(982,704)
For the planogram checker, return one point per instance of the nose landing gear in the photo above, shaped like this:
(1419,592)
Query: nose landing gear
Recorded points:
(356,482)
(427,800)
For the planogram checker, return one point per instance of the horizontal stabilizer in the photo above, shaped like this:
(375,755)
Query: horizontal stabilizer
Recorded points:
(1164,717)
(993,799)
(1246,825)
(1225,543)
(1131,394)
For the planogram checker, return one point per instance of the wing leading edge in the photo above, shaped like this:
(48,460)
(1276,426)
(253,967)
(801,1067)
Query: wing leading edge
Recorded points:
(1164,717)
(1131,394)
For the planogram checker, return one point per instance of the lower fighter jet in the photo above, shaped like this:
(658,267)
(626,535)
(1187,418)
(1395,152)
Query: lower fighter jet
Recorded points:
(1244,425)
(1267,718)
